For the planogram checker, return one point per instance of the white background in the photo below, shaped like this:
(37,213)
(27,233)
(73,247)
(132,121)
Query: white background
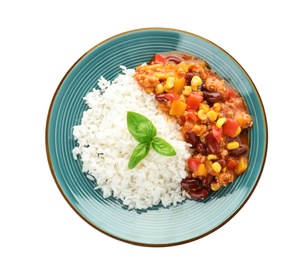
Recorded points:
(40,40)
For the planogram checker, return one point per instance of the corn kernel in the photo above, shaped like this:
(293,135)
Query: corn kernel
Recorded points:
(215,186)
(220,122)
(237,132)
(211,157)
(212,115)
(216,167)
(160,75)
(216,107)
(182,66)
(232,145)
(204,107)
(195,82)
(169,82)
(187,90)
(159,89)
(182,98)
(202,115)
(168,89)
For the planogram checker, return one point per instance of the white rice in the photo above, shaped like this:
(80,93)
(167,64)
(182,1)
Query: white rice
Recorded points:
(104,146)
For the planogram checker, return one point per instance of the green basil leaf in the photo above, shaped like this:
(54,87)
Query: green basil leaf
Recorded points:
(140,127)
(162,147)
(138,154)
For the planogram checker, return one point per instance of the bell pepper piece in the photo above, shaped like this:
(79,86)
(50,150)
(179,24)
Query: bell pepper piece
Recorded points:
(242,165)
(231,164)
(191,115)
(178,108)
(193,164)
(171,96)
(217,132)
(230,127)
(193,101)
(179,85)
(158,59)
(201,171)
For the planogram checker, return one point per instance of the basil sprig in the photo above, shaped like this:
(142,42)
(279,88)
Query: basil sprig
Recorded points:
(140,127)
(144,131)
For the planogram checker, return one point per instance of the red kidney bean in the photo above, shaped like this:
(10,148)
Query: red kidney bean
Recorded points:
(191,138)
(212,97)
(212,144)
(190,184)
(203,87)
(161,98)
(238,152)
(205,181)
(199,194)
(222,162)
(202,148)
(173,59)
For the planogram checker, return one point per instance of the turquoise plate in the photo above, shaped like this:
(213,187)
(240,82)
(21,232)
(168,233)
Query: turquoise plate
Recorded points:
(158,226)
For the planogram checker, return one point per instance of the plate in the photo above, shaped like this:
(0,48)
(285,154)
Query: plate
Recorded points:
(158,226)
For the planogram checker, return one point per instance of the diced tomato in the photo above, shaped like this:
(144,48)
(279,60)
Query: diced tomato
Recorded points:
(158,59)
(172,96)
(193,101)
(231,164)
(191,115)
(217,132)
(229,93)
(230,127)
(193,164)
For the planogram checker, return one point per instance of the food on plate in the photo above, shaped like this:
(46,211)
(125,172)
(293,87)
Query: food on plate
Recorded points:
(212,115)
(165,131)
